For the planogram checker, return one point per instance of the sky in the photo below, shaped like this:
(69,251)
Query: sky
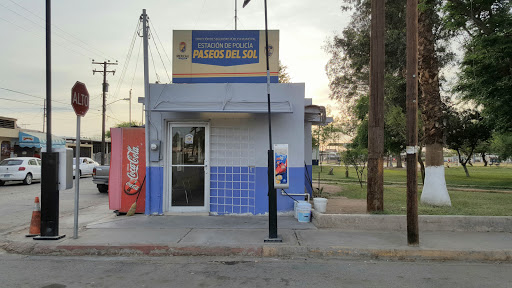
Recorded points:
(83,31)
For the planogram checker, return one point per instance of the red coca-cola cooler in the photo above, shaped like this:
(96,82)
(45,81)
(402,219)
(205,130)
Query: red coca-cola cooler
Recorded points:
(127,170)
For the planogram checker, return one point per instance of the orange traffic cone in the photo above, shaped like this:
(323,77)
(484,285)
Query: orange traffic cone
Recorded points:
(35,223)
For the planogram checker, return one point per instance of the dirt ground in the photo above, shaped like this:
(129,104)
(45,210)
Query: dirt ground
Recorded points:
(340,204)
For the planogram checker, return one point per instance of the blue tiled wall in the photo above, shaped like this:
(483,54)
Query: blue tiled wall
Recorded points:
(232,190)
(240,190)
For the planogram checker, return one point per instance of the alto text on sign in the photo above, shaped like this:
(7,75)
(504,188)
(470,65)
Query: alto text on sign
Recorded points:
(80,98)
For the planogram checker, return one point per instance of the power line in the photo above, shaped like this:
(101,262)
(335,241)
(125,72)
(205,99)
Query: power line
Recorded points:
(199,15)
(34,96)
(136,65)
(127,61)
(19,101)
(163,47)
(10,90)
(60,29)
(154,67)
(41,26)
(156,46)
(42,37)
(101,54)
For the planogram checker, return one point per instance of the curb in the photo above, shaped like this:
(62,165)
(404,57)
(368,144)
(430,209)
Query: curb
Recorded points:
(376,222)
(287,251)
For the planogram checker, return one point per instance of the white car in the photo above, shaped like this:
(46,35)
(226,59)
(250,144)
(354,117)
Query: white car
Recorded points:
(86,166)
(24,169)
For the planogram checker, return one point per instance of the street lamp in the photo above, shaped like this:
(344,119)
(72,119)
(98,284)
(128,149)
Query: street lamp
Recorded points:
(272,197)
(125,99)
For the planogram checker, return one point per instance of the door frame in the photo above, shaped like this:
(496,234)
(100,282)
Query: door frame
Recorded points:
(168,170)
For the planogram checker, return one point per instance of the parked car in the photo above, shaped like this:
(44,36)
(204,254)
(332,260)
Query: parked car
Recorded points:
(24,169)
(86,166)
(100,178)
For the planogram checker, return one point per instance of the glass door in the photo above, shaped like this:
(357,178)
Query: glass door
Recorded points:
(189,168)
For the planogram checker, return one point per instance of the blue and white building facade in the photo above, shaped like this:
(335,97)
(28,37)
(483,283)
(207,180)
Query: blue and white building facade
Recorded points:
(208,145)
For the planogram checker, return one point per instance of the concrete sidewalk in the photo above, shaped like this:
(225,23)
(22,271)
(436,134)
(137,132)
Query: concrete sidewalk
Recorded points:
(172,235)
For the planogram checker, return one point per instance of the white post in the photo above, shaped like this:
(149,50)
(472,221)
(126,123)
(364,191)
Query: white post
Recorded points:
(77,176)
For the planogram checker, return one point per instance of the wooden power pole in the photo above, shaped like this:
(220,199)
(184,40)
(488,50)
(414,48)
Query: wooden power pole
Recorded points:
(375,188)
(412,122)
(104,71)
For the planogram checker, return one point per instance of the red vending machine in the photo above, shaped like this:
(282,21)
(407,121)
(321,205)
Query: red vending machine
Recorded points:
(127,173)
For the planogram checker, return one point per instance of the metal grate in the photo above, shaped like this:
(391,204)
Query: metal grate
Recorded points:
(8,124)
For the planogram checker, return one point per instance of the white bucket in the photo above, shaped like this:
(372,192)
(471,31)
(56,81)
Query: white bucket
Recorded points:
(304,212)
(295,204)
(320,204)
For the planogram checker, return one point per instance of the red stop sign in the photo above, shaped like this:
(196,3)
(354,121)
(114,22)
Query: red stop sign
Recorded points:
(80,98)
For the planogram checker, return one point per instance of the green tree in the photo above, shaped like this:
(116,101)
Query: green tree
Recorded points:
(485,75)
(282,74)
(501,145)
(124,124)
(465,131)
(356,157)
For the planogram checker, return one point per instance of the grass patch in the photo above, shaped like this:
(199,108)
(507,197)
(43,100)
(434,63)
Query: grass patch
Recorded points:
(464,202)
(480,177)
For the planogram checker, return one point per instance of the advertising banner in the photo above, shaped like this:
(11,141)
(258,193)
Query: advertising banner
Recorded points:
(281,180)
(133,169)
(224,56)
(127,170)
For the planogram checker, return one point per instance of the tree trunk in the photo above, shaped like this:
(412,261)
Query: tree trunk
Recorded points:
(399,161)
(422,165)
(434,191)
(483,159)
(465,169)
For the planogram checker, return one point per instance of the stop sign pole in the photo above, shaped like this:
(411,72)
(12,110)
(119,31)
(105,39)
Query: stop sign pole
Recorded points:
(80,103)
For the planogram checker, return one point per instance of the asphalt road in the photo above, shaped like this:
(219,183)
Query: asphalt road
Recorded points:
(17,201)
(198,271)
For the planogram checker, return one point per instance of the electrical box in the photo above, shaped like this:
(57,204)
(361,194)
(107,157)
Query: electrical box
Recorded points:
(281,180)
(154,151)
(65,167)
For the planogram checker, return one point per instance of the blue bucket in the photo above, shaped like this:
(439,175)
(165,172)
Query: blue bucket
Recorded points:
(304,212)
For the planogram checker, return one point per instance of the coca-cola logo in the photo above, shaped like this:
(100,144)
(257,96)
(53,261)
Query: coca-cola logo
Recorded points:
(132,187)
(132,155)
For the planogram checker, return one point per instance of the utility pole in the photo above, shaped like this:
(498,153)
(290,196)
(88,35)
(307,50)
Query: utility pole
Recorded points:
(44,114)
(130,117)
(412,122)
(235,13)
(147,97)
(105,88)
(375,188)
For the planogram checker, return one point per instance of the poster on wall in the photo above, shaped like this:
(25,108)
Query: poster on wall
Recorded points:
(224,56)
(281,180)
(133,169)
(6,148)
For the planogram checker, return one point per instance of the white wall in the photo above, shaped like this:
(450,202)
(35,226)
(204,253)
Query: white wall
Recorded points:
(287,128)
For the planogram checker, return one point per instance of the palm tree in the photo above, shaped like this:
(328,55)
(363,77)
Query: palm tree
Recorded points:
(434,189)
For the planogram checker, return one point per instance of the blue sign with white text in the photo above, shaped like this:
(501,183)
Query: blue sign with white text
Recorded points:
(225,48)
